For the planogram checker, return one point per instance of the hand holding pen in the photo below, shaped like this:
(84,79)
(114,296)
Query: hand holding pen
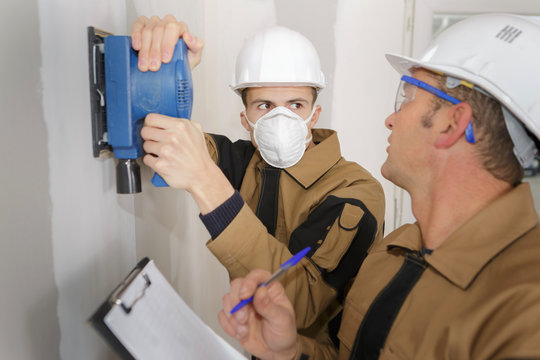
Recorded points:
(282,269)
(268,328)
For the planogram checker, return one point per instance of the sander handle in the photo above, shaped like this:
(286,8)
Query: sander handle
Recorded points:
(184,93)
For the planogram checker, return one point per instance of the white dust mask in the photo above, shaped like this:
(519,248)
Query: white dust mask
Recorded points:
(280,135)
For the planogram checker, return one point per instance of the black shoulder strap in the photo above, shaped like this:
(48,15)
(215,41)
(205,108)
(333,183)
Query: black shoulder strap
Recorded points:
(233,158)
(267,207)
(380,316)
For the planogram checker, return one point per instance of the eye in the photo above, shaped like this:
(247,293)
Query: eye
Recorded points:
(295,106)
(401,92)
(409,91)
(264,106)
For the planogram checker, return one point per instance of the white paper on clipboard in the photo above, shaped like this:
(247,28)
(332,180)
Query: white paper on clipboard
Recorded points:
(152,322)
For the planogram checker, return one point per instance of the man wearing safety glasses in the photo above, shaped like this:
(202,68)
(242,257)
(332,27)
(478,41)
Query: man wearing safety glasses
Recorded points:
(464,281)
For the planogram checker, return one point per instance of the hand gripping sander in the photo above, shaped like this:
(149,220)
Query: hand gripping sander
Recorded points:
(121,96)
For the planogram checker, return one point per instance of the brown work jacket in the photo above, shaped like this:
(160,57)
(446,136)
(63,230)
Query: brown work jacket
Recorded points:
(333,205)
(477,298)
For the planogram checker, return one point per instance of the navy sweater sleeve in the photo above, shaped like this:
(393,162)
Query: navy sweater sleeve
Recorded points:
(217,220)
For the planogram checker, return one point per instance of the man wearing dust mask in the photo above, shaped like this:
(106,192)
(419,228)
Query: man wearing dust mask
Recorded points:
(286,189)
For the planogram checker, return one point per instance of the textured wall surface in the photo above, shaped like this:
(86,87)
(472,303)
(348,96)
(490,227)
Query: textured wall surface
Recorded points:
(29,327)
(93,228)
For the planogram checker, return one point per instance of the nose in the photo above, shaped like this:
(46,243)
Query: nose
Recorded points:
(389,122)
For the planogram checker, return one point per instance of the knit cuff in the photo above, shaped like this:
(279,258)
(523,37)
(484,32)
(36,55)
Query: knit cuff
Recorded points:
(217,220)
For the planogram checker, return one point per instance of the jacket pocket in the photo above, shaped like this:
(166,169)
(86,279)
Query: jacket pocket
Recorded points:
(339,238)
(340,231)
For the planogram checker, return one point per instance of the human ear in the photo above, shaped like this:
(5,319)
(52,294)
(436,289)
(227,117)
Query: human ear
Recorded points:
(459,117)
(315,117)
(244,121)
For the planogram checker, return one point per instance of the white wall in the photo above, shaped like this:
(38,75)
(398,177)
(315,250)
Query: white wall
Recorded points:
(67,238)
(365,84)
(29,327)
(93,229)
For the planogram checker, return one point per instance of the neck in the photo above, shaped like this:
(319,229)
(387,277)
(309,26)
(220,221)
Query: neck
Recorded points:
(449,200)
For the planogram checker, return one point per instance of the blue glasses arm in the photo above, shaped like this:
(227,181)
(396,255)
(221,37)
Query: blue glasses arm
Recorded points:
(430,89)
(469,134)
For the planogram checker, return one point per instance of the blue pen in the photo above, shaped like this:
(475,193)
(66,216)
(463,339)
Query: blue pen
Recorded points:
(286,265)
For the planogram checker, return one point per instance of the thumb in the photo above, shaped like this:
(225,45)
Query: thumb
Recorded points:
(196,46)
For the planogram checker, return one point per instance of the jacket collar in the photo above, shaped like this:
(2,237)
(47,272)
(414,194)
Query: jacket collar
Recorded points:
(318,160)
(462,256)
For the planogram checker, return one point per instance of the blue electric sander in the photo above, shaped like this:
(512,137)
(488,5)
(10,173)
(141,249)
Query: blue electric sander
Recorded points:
(121,96)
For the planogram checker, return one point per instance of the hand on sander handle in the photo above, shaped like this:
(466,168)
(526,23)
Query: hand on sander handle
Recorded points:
(155,38)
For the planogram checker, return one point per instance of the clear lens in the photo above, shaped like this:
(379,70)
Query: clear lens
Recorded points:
(405,94)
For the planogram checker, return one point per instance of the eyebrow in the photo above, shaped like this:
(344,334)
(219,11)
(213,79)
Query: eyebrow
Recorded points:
(297,100)
(291,101)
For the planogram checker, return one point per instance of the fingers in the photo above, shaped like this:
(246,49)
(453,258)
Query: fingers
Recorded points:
(156,138)
(136,32)
(146,36)
(251,282)
(159,121)
(156,38)
(271,303)
(243,288)
(266,327)
(149,133)
(277,319)
(155,45)
(234,324)
(177,151)
(166,129)
(151,161)
(160,157)
(173,30)
(226,323)
(151,147)
(159,135)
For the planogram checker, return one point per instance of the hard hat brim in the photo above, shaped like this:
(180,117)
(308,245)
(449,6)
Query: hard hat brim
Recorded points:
(238,88)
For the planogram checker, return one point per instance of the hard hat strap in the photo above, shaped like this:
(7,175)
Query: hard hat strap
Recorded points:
(524,146)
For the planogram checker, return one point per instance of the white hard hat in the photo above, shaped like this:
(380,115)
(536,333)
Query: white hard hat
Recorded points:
(277,56)
(500,53)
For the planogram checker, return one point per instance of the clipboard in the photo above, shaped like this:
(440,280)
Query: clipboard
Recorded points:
(145,318)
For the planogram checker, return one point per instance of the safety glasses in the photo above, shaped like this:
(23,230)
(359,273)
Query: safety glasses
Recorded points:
(407,92)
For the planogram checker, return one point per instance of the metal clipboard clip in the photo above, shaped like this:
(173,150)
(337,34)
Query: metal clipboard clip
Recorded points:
(116,296)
